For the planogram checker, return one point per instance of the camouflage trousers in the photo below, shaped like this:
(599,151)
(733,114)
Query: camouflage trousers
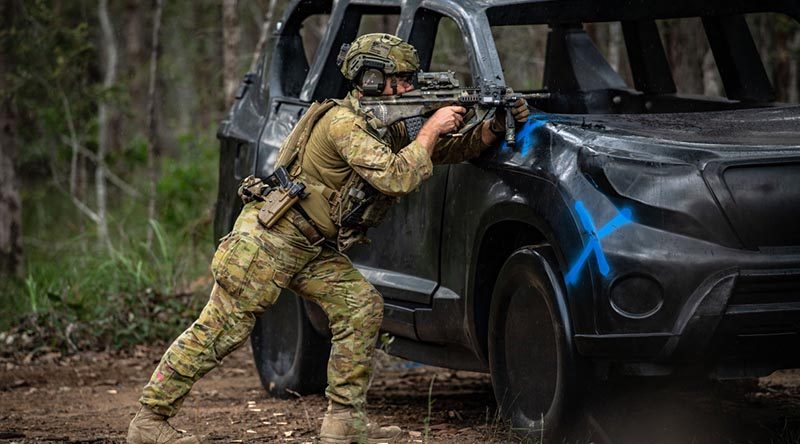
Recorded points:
(250,267)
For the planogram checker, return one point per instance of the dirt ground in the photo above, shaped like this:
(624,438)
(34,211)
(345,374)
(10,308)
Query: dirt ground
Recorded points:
(91,397)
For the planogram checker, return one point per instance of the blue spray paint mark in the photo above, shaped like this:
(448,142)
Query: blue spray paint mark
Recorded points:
(593,245)
(526,137)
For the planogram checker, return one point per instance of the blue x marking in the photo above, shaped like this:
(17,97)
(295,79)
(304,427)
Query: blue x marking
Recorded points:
(593,245)
(526,137)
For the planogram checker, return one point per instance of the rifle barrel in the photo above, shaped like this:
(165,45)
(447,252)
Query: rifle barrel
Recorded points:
(535,96)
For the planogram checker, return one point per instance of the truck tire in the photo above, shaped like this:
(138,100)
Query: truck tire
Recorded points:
(531,355)
(291,357)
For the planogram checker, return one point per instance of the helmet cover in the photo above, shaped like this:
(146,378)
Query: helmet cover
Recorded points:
(385,52)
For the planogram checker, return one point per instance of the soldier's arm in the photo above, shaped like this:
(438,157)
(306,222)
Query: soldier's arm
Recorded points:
(479,138)
(469,146)
(394,174)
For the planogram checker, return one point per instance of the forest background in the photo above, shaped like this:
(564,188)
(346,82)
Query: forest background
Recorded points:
(108,155)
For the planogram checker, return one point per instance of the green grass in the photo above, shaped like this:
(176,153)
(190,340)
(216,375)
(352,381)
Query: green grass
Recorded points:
(77,294)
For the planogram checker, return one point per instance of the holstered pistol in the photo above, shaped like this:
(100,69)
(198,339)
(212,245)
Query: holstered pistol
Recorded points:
(276,204)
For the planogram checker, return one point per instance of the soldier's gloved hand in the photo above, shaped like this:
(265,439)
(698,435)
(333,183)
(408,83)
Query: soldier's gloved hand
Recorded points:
(520,111)
(245,190)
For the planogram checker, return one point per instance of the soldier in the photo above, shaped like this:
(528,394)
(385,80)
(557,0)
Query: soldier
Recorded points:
(352,169)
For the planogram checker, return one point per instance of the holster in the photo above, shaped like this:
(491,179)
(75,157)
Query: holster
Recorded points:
(276,204)
(280,193)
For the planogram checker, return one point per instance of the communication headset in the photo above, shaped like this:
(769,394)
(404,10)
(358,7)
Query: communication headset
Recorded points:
(371,81)
(367,72)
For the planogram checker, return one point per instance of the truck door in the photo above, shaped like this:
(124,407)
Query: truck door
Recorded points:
(298,42)
(404,259)
(296,81)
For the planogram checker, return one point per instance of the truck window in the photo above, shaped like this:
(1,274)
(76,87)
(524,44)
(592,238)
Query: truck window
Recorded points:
(386,23)
(449,52)
(777,38)
(294,51)
(358,20)
(521,49)
(691,60)
(311,33)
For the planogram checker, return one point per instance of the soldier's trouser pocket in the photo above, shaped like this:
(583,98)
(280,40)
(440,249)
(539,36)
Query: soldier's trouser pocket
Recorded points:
(247,273)
(246,284)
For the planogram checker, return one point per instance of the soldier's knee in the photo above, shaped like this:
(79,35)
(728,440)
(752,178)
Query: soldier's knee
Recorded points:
(370,312)
(234,334)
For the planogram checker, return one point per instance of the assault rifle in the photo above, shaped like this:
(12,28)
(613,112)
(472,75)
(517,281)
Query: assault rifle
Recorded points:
(434,90)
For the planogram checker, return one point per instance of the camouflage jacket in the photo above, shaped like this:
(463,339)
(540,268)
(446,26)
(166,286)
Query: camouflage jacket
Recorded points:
(350,149)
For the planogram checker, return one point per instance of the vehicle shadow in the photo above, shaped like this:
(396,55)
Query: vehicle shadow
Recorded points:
(648,411)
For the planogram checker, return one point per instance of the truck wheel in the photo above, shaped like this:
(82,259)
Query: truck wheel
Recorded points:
(531,355)
(291,357)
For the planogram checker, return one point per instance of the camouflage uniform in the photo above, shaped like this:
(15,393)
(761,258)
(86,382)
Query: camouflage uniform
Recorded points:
(252,263)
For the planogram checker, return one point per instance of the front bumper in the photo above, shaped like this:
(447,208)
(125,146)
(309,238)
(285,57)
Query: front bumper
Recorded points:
(725,312)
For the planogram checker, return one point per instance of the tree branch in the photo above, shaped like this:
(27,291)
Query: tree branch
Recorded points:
(113,178)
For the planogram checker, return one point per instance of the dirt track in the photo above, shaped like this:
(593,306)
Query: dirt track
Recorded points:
(91,397)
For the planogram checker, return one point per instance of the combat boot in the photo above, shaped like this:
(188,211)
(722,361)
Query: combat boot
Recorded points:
(148,427)
(344,425)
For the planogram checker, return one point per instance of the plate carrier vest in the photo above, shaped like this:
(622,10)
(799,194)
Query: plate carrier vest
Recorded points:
(355,207)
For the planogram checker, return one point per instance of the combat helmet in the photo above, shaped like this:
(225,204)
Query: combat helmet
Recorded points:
(370,58)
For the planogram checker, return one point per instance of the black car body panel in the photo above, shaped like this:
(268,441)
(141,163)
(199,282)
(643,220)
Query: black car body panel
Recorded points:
(674,231)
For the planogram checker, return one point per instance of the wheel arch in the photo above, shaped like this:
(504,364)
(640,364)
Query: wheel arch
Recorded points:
(506,228)
(531,306)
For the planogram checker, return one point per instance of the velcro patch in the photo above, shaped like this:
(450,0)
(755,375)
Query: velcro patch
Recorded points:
(380,48)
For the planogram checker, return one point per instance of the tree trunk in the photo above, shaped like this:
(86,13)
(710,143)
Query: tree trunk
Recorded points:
(794,82)
(783,61)
(615,45)
(134,58)
(231,35)
(153,148)
(264,35)
(11,258)
(685,55)
(711,82)
(110,75)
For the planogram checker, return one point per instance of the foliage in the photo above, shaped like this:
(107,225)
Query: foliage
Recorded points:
(79,296)
(53,53)
(76,293)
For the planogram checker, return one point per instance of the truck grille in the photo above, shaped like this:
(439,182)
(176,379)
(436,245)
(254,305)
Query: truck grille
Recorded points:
(764,205)
(755,287)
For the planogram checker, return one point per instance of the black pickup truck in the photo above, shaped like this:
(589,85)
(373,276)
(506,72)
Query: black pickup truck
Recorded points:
(632,230)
